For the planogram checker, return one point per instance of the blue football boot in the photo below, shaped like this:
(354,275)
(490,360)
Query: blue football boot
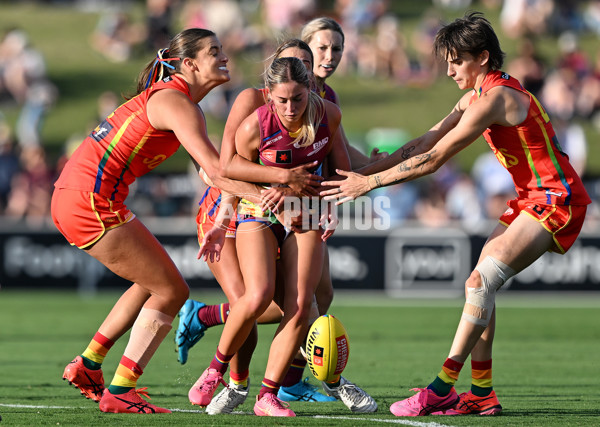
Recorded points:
(303,392)
(190,329)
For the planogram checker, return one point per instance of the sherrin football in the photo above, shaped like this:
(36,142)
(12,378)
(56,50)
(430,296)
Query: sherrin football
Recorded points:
(327,348)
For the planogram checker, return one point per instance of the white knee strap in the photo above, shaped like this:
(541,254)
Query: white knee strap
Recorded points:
(480,301)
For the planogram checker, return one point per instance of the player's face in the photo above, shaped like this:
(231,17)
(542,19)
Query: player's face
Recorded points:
(212,62)
(301,54)
(327,49)
(290,100)
(464,70)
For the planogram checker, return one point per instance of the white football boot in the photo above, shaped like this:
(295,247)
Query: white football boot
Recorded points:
(228,399)
(355,398)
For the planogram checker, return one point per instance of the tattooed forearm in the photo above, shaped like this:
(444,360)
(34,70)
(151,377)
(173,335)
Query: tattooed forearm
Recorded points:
(421,159)
(414,163)
(406,152)
(404,166)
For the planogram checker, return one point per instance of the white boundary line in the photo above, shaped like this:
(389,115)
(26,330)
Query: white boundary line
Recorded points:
(380,420)
(327,417)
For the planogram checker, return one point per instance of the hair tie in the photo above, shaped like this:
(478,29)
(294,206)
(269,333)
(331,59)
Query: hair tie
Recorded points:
(163,61)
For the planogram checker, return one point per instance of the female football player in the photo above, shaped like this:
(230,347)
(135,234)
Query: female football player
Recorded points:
(196,317)
(295,127)
(88,208)
(547,214)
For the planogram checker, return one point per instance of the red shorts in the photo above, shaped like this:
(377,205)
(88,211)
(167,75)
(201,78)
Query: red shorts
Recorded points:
(563,222)
(83,217)
(205,219)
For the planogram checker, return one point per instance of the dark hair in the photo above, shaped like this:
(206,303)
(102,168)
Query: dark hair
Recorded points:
(470,34)
(284,70)
(186,44)
(294,43)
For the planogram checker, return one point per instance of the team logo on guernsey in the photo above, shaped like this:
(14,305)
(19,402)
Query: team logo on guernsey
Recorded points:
(167,79)
(505,76)
(316,147)
(278,156)
(101,131)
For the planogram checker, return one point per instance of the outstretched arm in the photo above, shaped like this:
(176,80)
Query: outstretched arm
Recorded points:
(470,124)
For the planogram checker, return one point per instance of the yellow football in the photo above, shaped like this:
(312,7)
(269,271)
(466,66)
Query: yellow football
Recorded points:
(327,348)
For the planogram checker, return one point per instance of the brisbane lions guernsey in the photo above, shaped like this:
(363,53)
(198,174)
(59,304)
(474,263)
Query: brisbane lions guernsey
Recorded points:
(277,147)
(122,148)
(328,93)
(531,152)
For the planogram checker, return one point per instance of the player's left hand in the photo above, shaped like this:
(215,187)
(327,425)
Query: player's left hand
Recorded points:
(346,190)
(212,244)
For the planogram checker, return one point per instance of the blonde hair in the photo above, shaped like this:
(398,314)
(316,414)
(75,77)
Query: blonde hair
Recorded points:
(284,70)
(320,24)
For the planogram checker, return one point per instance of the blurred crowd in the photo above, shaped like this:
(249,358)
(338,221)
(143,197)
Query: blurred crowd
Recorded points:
(377,45)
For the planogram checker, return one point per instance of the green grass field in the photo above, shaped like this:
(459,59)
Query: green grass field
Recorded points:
(545,363)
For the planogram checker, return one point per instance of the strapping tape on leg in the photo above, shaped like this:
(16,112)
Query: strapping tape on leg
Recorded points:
(480,301)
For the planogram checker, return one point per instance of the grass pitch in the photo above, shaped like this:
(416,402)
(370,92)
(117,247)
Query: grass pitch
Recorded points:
(545,362)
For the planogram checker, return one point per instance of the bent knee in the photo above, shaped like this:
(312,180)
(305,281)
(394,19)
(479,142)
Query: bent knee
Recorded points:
(254,305)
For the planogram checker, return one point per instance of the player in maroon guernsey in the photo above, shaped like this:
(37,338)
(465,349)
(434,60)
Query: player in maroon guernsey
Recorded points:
(295,127)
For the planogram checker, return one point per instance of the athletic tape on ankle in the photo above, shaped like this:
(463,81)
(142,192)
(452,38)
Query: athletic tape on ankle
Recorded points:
(480,301)
(148,331)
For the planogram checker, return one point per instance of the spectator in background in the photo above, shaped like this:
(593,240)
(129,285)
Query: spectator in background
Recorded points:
(9,163)
(588,101)
(391,59)
(571,138)
(494,185)
(520,18)
(224,17)
(429,67)
(23,77)
(284,17)
(31,187)
(527,66)
(159,23)
(20,64)
(116,36)
(462,203)
(591,16)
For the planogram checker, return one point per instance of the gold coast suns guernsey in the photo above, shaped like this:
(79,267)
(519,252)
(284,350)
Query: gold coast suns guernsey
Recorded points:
(121,148)
(531,152)
(277,147)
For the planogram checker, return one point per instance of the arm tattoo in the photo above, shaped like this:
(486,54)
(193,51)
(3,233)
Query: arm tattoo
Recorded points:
(419,162)
(378,181)
(406,152)
(421,159)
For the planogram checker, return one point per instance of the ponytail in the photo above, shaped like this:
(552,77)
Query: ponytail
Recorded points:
(156,70)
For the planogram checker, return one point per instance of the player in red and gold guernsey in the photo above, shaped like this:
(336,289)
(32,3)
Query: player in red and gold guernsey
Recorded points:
(547,214)
(88,208)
